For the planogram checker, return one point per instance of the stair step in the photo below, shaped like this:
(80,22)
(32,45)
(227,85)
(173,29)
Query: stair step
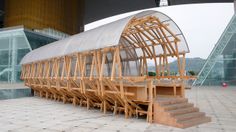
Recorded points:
(183,111)
(172,101)
(178,112)
(189,116)
(194,122)
(177,106)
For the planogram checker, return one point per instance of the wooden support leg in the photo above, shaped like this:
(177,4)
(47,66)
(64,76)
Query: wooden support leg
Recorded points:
(130,114)
(81,103)
(136,113)
(55,97)
(115,109)
(88,103)
(148,114)
(74,101)
(126,110)
(41,94)
(105,107)
(47,95)
(101,106)
(64,99)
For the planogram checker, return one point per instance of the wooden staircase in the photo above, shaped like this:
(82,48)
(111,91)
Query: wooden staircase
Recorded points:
(178,112)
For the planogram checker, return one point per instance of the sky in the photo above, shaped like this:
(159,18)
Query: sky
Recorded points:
(201,24)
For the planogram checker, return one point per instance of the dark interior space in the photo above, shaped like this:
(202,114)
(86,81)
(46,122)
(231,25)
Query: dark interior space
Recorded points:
(1,12)
(176,2)
(95,10)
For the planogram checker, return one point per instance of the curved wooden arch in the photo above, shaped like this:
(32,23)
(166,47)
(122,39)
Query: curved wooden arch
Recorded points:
(116,77)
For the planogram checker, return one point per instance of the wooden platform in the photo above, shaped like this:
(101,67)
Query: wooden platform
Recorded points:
(167,107)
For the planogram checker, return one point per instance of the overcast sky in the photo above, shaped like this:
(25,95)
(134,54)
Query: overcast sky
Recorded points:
(202,24)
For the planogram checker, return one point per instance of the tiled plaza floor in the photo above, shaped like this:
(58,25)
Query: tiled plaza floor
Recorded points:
(33,114)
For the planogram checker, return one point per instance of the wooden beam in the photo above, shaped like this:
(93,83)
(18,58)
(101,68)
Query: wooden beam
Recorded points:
(113,69)
(92,67)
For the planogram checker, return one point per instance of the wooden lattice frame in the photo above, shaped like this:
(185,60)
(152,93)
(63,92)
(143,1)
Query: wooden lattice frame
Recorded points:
(79,77)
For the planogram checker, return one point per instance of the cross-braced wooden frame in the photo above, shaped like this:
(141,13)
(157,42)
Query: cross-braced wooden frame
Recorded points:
(116,77)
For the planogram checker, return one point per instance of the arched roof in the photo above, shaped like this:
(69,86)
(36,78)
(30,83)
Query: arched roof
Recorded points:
(104,36)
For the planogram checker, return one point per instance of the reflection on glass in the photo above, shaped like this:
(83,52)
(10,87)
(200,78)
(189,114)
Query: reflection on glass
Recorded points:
(14,45)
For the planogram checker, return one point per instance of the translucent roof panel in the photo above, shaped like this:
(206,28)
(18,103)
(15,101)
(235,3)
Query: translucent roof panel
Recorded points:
(104,36)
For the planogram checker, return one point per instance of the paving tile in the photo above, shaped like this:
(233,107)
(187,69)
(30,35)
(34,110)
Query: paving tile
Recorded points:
(35,114)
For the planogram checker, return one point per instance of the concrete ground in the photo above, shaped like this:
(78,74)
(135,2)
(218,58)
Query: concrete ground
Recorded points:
(33,114)
(12,85)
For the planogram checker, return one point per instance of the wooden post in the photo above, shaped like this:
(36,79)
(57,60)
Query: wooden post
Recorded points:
(174,87)
(76,67)
(150,106)
(113,70)
(92,67)
(183,72)
(101,81)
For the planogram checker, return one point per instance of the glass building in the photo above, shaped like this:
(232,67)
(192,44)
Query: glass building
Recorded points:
(14,44)
(220,66)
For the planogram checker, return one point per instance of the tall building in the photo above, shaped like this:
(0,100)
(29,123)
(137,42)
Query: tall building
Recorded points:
(220,66)
(29,24)
(15,42)
(62,15)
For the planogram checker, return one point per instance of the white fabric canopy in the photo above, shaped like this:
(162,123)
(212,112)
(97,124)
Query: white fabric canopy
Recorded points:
(101,37)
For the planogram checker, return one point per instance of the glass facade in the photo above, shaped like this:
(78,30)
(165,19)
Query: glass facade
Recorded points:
(224,69)
(14,44)
(220,66)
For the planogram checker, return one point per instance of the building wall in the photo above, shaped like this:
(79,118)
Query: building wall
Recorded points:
(14,45)
(62,15)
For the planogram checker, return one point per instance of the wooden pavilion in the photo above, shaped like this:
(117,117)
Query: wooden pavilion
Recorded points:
(108,68)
